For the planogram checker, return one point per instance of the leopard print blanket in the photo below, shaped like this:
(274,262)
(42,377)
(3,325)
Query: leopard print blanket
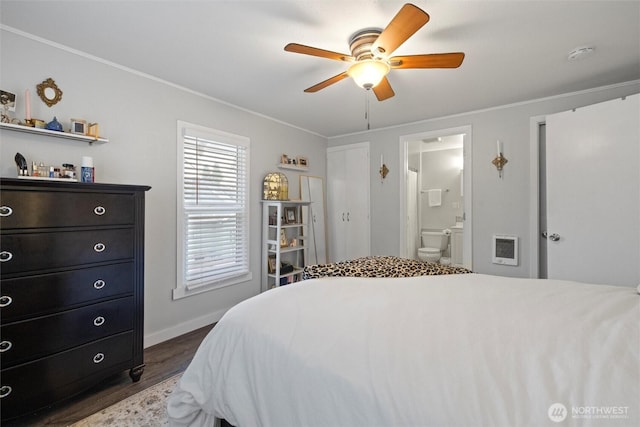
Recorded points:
(379,266)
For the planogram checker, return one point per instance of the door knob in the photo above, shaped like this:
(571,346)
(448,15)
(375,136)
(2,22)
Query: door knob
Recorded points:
(553,237)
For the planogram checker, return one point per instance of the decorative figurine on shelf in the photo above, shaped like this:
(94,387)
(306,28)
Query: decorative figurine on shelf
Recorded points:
(54,125)
(21,163)
(283,239)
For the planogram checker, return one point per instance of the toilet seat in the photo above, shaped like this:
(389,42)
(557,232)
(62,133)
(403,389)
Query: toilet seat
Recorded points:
(430,251)
(429,254)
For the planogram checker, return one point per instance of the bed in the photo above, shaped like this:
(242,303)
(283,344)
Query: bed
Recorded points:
(443,350)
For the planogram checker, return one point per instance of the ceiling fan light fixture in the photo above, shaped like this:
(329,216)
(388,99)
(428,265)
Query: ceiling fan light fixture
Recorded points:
(368,73)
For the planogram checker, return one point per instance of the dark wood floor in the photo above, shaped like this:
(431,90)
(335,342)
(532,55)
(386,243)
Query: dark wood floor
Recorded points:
(162,361)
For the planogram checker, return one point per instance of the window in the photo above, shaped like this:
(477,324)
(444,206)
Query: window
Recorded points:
(213,213)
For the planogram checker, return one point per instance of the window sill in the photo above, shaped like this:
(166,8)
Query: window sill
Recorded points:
(184,292)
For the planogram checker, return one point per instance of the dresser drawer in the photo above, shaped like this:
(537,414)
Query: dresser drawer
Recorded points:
(30,296)
(44,209)
(24,252)
(30,386)
(31,339)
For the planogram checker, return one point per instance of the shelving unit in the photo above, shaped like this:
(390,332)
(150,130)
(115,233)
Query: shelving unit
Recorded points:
(274,225)
(52,133)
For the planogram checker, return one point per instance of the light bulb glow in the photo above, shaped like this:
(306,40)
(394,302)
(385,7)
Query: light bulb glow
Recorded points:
(368,73)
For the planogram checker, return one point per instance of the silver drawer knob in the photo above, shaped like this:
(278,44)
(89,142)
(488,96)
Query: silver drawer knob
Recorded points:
(99,357)
(99,210)
(5,391)
(99,247)
(5,256)
(5,346)
(99,284)
(5,211)
(98,321)
(5,300)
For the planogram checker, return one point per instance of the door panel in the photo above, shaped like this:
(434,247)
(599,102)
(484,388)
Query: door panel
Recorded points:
(593,197)
(348,202)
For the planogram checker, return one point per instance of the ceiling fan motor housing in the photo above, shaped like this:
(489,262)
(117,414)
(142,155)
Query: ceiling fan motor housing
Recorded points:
(360,43)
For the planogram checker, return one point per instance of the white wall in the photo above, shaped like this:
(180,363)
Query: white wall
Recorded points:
(138,115)
(499,205)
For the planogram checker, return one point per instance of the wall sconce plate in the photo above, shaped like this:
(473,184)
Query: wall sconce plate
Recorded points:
(499,163)
(384,171)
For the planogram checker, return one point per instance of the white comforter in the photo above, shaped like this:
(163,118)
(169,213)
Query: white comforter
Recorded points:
(459,350)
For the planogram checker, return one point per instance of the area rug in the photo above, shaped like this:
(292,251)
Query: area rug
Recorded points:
(147,408)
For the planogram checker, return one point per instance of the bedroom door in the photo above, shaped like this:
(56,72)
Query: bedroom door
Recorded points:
(348,202)
(593,193)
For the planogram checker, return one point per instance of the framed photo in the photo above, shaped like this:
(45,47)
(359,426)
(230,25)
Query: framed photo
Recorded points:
(8,100)
(78,126)
(284,159)
(272,264)
(290,215)
(302,161)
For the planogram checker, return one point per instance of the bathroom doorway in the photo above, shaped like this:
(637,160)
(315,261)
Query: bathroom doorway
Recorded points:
(435,191)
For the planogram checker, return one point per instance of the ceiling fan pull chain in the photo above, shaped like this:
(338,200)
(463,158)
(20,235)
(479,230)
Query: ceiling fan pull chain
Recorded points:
(366,109)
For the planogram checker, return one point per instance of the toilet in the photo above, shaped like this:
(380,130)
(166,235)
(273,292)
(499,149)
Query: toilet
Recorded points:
(433,243)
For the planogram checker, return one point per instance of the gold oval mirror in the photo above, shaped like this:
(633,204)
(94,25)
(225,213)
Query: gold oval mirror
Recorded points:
(49,92)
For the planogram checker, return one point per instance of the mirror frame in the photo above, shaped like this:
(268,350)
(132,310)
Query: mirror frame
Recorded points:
(42,92)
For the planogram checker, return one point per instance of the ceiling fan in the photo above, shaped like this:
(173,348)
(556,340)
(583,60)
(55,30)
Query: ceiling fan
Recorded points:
(370,54)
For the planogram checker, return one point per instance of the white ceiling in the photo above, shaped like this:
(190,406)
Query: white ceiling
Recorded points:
(233,51)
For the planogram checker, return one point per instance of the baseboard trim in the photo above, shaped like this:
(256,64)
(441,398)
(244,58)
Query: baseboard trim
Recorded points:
(183,328)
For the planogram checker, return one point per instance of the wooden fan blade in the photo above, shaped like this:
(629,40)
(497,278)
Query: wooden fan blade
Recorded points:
(407,21)
(314,51)
(328,82)
(434,60)
(383,90)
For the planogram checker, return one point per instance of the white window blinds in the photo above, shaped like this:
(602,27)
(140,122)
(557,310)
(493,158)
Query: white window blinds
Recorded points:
(215,223)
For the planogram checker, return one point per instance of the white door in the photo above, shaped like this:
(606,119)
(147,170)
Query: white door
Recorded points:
(593,193)
(336,194)
(412,234)
(357,239)
(348,202)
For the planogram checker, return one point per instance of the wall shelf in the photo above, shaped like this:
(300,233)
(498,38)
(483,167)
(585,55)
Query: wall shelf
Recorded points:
(293,167)
(52,133)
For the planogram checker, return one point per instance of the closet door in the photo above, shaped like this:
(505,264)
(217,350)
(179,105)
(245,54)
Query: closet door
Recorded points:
(593,204)
(336,197)
(357,203)
(348,202)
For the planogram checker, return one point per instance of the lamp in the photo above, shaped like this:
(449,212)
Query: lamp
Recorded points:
(367,73)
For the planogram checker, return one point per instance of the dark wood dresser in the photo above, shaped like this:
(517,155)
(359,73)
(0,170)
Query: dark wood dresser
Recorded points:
(71,288)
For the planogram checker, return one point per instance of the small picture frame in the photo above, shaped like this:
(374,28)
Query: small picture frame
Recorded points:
(284,159)
(78,126)
(303,162)
(290,216)
(272,264)
(8,101)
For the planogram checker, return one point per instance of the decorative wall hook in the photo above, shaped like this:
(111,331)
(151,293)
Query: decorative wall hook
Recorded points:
(500,160)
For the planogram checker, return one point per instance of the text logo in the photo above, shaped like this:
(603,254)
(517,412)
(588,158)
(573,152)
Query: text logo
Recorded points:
(557,412)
